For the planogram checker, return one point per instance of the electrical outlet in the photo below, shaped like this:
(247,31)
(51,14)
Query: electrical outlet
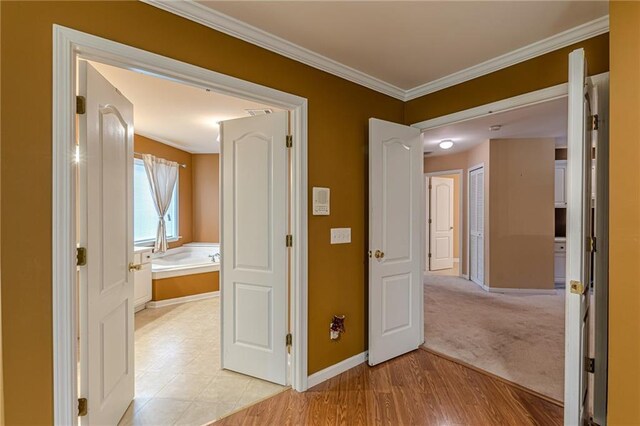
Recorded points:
(340,235)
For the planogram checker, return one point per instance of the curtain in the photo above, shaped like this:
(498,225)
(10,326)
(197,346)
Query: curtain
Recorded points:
(162,175)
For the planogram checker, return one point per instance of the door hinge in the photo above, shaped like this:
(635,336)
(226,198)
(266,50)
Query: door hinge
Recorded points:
(81,105)
(289,339)
(289,240)
(590,365)
(429,255)
(289,141)
(81,256)
(429,186)
(595,122)
(82,407)
(429,220)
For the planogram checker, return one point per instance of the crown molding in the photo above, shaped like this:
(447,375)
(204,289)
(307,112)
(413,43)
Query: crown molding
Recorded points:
(555,42)
(226,24)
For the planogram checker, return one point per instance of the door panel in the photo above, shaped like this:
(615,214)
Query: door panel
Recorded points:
(476,225)
(254,263)
(106,230)
(395,234)
(579,233)
(441,225)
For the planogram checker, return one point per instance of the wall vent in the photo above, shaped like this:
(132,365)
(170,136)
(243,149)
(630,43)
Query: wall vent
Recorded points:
(261,111)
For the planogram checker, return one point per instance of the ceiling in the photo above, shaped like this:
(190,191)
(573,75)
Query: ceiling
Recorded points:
(408,44)
(544,120)
(176,114)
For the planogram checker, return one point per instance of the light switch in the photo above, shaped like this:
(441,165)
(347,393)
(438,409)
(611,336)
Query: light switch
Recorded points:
(340,235)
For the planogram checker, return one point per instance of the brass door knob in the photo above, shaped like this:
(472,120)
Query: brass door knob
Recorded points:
(135,266)
(378,254)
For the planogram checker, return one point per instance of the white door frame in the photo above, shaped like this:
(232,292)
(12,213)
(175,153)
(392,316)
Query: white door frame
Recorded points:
(458,172)
(529,99)
(68,46)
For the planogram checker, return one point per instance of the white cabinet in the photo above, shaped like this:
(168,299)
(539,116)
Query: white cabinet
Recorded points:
(561,183)
(142,278)
(560,261)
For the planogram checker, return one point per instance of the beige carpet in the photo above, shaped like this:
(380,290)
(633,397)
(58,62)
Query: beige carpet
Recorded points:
(517,337)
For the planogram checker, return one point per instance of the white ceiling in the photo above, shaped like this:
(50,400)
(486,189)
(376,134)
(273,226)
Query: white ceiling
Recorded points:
(544,120)
(176,114)
(408,44)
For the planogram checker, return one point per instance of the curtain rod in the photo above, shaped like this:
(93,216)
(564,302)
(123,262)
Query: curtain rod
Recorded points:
(139,154)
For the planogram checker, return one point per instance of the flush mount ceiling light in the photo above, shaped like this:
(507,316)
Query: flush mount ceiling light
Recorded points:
(446,144)
(495,127)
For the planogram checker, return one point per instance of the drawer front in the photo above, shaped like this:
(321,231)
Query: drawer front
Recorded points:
(560,247)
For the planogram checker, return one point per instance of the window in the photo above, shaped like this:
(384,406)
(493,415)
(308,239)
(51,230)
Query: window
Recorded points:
(145,218)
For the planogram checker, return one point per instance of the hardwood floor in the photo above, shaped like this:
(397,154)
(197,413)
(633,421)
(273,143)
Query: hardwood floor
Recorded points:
(419,388)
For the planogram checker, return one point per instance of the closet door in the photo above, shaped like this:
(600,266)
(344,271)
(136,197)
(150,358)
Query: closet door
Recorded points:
(476,225)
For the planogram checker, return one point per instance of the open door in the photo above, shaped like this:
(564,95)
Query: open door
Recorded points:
(254,246)
(476,225)
(441,223)
(105,187)
(580,241)
(396,212)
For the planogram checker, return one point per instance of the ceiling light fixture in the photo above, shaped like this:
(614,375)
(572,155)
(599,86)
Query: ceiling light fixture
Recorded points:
(495,127)
(446,144)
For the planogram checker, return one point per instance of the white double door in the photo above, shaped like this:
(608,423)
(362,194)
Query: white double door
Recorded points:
(254,263)
(476,225)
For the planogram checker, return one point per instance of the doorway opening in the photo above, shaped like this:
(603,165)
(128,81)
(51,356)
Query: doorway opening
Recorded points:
(184,335)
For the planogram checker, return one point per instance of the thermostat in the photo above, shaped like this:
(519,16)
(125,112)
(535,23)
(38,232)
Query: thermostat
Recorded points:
(321,198)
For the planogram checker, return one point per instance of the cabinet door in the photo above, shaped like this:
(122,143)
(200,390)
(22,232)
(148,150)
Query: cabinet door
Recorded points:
(561,184)
(142,286)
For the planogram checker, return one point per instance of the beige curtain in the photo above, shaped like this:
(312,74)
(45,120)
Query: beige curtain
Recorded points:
(162,175)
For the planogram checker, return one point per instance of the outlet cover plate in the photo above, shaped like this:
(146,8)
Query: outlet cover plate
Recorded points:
(340,235)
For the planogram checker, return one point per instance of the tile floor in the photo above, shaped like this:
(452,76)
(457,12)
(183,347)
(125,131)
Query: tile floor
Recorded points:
(178,376)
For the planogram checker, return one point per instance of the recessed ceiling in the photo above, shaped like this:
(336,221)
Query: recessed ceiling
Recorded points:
(408,44)
(543,120)
(176,114)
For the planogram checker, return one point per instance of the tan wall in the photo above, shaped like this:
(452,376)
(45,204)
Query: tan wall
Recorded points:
(145,145)
(186,285)
(337,152)
(206,197)
(624,219)
(456,213)
(479,154)
(522,213)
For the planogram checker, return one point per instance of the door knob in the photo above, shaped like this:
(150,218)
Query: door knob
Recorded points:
(378,254)
(135,266)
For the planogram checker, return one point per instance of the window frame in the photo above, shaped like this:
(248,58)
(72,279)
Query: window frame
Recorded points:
(176,195)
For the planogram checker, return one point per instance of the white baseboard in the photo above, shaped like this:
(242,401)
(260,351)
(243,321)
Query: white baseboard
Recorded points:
(465,276)
(531,291)
(184,299)
(335,369)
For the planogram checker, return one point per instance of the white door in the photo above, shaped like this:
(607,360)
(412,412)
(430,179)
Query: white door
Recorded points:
(396,217)
(579,235)
(441,223)
(253,246)
(105,188)
(476,225)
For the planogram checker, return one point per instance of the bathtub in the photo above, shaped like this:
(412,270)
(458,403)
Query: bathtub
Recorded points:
(189,259)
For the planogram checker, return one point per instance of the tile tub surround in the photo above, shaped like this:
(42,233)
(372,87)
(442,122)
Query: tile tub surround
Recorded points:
(179,380)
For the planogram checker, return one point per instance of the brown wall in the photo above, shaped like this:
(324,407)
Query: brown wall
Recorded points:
(624,219)
(145,145)
(534,74)
(522,213)
(462,161)
(337,153)
(185,285)
(206,197)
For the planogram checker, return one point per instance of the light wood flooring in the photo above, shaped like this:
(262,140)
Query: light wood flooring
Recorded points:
(419,388)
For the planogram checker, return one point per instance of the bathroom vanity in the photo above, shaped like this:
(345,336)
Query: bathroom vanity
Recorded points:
(142,277)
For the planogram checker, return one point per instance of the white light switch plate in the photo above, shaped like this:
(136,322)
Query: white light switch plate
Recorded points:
(340,235)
